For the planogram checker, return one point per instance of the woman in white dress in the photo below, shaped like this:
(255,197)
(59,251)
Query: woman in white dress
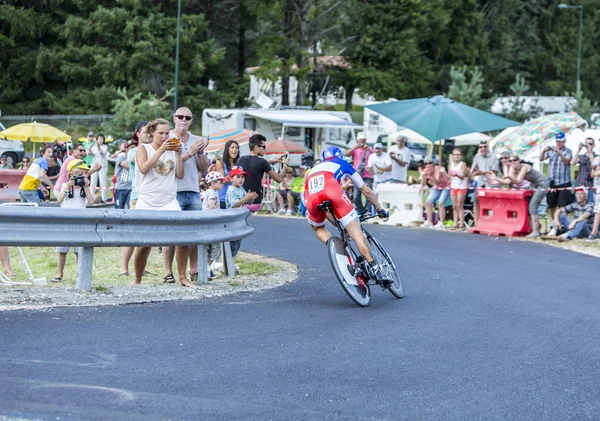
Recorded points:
(100,152)
(158,166)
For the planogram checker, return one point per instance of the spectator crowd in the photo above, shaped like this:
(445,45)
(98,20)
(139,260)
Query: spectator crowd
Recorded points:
(164,168)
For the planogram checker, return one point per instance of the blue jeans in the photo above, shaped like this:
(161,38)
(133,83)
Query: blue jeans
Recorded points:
(582,229)
(189,200)
(29,196)
(122,198)
(360,208)
(438,196)
(591,195)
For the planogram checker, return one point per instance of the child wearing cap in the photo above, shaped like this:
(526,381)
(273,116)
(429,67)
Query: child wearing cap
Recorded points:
(237,197)
(214,179)
(72,196)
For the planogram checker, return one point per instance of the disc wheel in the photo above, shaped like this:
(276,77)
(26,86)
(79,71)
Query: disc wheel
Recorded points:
(355,287)
(384,260)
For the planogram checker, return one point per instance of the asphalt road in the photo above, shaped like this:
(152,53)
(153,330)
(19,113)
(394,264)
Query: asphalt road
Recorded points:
(490,329)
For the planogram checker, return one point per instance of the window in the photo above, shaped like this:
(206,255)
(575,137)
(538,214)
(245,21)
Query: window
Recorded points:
(250,123)
(293,131)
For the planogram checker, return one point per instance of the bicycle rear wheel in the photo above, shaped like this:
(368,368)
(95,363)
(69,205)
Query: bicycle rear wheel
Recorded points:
(340,258)
(384,260)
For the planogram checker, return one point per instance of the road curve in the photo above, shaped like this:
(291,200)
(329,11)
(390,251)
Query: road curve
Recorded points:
(490,329)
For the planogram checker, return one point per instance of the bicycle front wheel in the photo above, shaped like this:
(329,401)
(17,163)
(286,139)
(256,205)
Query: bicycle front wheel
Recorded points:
(384,260)
(340,258)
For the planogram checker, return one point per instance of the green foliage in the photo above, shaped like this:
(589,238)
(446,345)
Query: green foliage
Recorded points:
(471,92)
(130,109)
(582,105)
(516,108)
(72,56)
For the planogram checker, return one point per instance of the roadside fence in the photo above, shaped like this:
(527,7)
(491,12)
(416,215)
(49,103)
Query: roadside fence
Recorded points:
(90,228)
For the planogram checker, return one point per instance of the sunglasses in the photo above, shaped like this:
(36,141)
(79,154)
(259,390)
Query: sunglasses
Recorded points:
(513,160)
(184,117)
(429,163)
(483,147)
(237,167)
(590,144)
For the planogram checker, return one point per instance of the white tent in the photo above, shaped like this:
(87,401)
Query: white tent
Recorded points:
(462,140)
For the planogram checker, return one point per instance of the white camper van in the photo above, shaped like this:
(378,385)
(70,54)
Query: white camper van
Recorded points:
(313,129)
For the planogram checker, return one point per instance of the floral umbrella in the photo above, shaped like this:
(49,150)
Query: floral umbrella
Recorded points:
(280,146)
(537,131)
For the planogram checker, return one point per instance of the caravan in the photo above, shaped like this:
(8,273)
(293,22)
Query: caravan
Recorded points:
(313,129)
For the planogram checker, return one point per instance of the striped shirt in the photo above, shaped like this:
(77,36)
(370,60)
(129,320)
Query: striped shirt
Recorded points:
(33,178)
(558,171)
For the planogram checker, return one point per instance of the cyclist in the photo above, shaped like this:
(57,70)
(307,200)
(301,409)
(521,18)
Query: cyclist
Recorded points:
(323,183)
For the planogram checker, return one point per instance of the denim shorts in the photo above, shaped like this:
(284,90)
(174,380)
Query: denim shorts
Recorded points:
(122,198)
(189,200)
(438,196)
(29,196)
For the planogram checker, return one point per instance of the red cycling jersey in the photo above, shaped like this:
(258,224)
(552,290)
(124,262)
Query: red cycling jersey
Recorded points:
(323,184)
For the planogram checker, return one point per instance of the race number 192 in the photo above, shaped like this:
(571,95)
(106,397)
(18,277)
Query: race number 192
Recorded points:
(316,184)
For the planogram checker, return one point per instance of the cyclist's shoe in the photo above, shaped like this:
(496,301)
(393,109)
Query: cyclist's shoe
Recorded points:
(376,273)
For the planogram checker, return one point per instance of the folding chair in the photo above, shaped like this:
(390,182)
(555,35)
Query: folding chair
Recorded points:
(269,194)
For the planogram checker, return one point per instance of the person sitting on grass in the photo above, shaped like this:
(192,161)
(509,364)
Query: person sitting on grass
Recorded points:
(214,179)
(237,197)
(581,225)
(74,197)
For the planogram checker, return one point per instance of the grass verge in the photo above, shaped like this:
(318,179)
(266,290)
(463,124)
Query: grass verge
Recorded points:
(43,261)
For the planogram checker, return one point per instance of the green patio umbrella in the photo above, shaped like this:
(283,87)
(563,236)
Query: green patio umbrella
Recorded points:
(438,117)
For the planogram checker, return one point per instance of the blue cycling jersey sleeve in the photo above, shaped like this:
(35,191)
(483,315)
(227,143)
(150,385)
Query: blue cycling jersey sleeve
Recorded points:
(348,170)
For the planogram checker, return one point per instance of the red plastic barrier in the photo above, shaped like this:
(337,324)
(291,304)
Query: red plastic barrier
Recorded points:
(9,184)
(503,212)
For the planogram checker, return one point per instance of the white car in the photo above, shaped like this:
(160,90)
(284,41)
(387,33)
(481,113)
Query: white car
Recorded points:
(11,149)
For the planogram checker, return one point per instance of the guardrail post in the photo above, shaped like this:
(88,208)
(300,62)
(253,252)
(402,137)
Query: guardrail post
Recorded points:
(228,267)
(84,268)
(202,264)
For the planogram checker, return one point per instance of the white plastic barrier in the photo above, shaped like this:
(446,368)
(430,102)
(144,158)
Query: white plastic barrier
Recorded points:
(404,203)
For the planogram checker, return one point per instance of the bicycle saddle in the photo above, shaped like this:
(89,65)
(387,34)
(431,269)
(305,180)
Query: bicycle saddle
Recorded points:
(325,206)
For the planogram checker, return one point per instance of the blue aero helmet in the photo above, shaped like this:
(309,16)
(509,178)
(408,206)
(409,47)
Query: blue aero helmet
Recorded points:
(332,152)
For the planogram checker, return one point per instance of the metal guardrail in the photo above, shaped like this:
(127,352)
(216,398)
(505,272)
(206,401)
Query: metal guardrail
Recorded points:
(89,228)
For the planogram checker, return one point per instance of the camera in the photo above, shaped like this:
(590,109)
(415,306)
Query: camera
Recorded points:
(308,159)
(79,180)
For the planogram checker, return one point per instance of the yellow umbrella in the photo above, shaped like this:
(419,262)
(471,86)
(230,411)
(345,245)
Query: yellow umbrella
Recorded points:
(36,132)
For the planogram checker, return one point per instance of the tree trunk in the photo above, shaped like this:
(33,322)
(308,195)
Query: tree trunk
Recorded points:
(288,13)
(349,92)
(241,47)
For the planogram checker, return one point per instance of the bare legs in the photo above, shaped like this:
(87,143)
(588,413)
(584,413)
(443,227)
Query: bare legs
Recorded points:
(458,210)
(355,231)
(181,254)
(126,253)
(62,260)
(139,262)
(5,260)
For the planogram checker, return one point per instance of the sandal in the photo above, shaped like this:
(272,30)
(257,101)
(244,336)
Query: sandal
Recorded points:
(193,277)
(169,279)
(124,274)
(147,273)
(57,279)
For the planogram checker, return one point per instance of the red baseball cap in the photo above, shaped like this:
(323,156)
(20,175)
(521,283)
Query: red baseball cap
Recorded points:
(238,171)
